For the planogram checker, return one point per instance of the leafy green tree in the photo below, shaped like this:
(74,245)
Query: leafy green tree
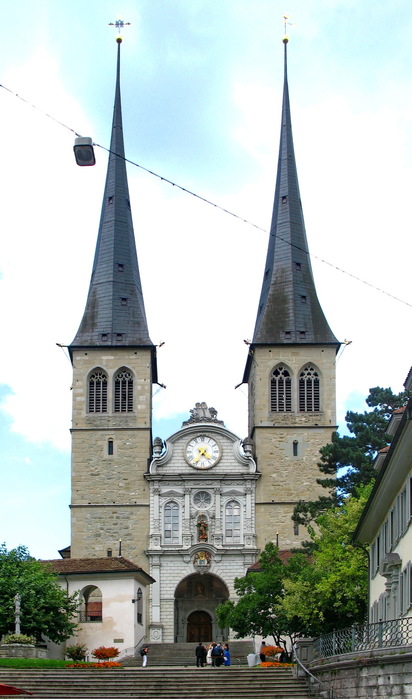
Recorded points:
(347,461)
(259,608)
(330,591)
(46,608)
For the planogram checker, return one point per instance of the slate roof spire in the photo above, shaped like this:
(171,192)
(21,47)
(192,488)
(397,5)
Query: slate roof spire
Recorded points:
(289,310)
(115,313)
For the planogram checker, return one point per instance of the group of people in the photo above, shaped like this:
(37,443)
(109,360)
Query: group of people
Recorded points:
(215,655)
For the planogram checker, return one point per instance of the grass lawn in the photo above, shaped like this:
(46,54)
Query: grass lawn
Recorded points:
(33,662)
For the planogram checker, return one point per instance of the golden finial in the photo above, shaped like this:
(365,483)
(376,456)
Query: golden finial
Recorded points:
(119,24)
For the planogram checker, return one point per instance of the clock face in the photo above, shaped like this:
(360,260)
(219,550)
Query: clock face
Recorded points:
(202,452)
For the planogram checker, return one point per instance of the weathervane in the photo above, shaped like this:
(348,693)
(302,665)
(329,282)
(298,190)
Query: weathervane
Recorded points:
(119,24)
(286,23)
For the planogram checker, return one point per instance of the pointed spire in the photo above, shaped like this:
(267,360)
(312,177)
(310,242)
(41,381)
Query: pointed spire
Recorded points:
(289,311)
(115,313)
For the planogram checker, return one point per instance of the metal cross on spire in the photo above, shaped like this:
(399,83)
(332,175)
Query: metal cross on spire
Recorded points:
(119,24)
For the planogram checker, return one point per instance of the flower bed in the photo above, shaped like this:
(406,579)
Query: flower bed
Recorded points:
(105,664)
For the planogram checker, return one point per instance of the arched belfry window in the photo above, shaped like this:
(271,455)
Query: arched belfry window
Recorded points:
(98,392)
(281,390)
(123,391)
(232,523)
(171,523)
(309,390)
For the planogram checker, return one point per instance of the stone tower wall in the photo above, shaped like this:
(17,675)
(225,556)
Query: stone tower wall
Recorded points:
(287,478)
(110,497)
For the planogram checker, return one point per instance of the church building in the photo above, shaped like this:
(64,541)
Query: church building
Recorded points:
(190,513)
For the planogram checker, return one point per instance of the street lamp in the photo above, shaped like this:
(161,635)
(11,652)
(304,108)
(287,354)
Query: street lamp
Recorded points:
(83,151)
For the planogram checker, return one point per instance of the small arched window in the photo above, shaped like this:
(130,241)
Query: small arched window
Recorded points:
(91,604)
(281,390)
(123,392)
(171,523)
(98,392)
(309,390)
(232,523)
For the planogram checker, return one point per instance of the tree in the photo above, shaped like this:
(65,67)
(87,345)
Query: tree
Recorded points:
(46,608)
(330,591)
(259,609)
(347,460)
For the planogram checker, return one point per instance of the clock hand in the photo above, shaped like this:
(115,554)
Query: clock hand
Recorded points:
(201,451)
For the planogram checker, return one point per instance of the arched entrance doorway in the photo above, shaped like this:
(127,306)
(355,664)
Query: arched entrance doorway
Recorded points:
(196,599)
(199,627)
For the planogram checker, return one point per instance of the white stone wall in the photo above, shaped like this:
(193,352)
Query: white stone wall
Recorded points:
(172,479)
(119,626)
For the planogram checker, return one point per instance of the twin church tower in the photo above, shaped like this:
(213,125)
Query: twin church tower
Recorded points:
(198,508)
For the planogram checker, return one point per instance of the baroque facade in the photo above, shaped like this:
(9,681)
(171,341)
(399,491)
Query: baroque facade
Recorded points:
(195,510)
(202,526)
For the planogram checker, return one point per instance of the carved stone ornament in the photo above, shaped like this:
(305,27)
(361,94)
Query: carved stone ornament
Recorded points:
(202,559)
(201,413)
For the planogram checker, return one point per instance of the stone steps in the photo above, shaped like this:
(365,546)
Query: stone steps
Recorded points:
(157,683)
(183,654)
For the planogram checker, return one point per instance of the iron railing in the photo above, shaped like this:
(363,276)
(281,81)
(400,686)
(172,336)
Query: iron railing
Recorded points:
(383,634)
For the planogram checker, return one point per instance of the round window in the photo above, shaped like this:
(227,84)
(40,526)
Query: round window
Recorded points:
(202,499)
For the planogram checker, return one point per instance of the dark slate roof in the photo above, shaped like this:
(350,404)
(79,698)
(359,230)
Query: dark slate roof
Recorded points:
(76,566)
(289,311)
(115,313)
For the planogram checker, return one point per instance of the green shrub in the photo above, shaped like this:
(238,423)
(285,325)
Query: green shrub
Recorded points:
(77,651)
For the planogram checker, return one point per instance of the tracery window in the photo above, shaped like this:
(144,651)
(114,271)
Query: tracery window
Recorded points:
(232,523)
(123,392)
(309,390)
(171,523)
(281,390)
(98,392)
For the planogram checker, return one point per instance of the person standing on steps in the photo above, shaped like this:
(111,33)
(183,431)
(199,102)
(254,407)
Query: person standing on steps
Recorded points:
(262,654)
(226,654)
(200,653)
(143,652)
(217,655)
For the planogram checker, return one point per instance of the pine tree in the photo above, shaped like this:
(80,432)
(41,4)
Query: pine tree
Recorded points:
(347,461)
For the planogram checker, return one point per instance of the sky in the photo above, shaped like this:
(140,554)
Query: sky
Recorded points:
(201,99)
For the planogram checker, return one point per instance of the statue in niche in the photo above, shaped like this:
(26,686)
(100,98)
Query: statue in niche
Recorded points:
(202,527)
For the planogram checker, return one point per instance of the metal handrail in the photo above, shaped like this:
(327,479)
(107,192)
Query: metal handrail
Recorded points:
(328,693)
(126,651)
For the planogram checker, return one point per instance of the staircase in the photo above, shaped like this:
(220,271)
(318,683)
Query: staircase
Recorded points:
(158,683)
(183,654)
